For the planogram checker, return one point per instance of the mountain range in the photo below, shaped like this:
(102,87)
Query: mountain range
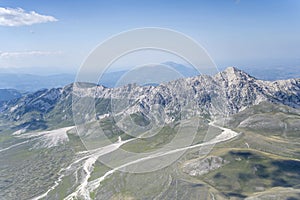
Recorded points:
(225,93)
(246,145)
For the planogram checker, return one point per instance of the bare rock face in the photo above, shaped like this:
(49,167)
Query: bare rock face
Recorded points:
(203,166)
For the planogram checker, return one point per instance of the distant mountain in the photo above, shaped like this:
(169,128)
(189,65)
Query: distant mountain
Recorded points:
(182,69)
(111,79)
(9,94)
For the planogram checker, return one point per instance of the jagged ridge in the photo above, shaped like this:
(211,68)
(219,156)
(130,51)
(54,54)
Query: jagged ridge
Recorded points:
(225,93)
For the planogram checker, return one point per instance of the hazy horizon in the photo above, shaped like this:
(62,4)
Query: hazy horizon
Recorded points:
(56,37)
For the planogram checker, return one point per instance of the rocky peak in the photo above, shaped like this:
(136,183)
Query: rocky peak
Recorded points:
(232,74)
(232,70)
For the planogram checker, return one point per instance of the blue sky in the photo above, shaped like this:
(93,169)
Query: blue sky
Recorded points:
(235,33)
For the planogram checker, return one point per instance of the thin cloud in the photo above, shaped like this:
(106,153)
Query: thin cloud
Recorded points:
(19,17)
(18,54)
